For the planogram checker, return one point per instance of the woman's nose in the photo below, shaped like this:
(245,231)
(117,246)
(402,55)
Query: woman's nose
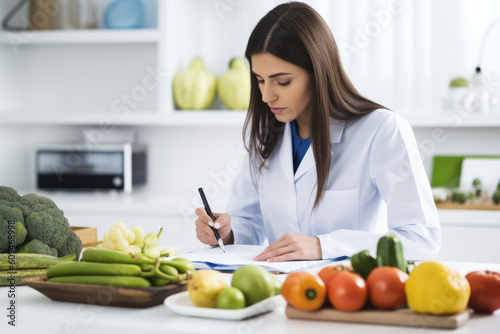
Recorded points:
(268,94)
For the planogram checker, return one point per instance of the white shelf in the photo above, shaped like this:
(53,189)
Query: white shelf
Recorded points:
(444,120)
(136,118)
(201,118)
(71,37)
(208,117)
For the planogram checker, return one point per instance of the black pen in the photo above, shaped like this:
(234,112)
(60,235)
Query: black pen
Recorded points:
(211,215)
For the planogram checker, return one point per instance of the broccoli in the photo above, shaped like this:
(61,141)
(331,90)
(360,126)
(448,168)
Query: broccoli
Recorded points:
(9,213)
(37,247)
(9,195)
(48,226)
(43,221)
(72,246)
(30,203)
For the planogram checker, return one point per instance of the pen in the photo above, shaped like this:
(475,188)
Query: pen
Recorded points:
(211,215)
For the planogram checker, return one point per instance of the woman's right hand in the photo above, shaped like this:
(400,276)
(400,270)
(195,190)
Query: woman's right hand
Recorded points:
(205,234)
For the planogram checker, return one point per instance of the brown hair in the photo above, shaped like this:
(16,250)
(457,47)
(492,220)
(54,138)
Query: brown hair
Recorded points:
(296,33)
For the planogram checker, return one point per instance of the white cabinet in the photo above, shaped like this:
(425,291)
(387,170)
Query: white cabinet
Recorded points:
(470,244)
(470,235)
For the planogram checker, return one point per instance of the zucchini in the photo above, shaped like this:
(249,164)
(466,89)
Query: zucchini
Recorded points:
(363,263)
(110,256)
(131,281)
(158,281)
(30,261)
(18,275)
(170,273)
(182,265)
(93,268)
(169,270)
(390,252)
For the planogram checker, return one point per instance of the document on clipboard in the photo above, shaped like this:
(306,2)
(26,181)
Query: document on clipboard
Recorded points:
(240,255)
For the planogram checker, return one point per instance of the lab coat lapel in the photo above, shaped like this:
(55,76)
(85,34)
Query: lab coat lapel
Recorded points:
(286,155)
(336,130)
(308,162)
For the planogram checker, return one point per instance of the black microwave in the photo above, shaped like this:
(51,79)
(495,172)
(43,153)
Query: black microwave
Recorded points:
(91,166)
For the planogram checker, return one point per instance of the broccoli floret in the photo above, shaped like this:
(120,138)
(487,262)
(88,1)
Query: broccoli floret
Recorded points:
(30,203)
(49,226)
(73,245)
(9,213)
(9,195)
(37,247)
(43,221)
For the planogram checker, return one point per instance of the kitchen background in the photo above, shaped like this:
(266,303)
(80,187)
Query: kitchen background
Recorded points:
(57,85)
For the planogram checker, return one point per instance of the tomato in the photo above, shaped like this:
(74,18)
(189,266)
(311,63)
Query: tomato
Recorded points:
(386,287)
(304,291)
(484,291)
(327,273)
(347,291)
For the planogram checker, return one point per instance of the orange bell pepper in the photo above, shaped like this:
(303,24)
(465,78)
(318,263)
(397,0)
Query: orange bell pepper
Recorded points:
(304,291)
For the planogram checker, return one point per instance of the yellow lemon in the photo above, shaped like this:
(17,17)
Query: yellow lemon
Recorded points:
(437,289)
(205,286)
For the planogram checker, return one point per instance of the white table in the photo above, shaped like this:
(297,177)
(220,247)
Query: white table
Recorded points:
(35,313)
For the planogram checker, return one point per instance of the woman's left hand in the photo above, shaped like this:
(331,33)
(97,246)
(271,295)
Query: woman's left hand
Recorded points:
(291,246)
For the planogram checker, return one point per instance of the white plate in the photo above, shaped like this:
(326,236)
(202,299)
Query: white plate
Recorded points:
(181,304)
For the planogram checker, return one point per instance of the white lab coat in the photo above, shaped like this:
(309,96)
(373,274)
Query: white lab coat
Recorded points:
(377,185)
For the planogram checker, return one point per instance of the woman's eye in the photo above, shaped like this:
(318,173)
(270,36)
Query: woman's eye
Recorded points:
(283,84)
(260,82)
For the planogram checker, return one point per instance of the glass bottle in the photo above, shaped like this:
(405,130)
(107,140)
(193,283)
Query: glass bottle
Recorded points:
(82,14)
(481,91)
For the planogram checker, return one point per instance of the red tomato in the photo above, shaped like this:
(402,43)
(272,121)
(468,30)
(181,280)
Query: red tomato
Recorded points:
(386,287)
(484,291)
(347,291)
(327,273)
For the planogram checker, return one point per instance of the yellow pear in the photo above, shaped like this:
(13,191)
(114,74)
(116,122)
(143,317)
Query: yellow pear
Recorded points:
(204,287)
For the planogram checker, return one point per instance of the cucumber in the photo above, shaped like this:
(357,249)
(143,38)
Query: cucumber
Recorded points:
(93,268)
(30,261)
(131,281)
(390,253)
(7,275)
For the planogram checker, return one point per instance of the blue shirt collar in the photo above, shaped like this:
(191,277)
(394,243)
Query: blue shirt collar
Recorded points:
(296,139)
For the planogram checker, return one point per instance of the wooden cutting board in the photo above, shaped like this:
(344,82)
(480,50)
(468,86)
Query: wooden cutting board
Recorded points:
(401,317)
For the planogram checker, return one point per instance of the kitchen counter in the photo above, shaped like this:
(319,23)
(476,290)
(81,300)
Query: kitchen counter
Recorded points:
(37,313)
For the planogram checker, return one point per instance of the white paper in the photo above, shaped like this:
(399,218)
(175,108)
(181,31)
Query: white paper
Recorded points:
(240,255)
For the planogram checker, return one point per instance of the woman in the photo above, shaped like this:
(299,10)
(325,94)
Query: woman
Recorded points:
(328,171)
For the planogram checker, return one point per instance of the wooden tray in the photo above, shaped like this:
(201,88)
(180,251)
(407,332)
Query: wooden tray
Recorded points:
(88,235)
(102,294)
(401,317)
